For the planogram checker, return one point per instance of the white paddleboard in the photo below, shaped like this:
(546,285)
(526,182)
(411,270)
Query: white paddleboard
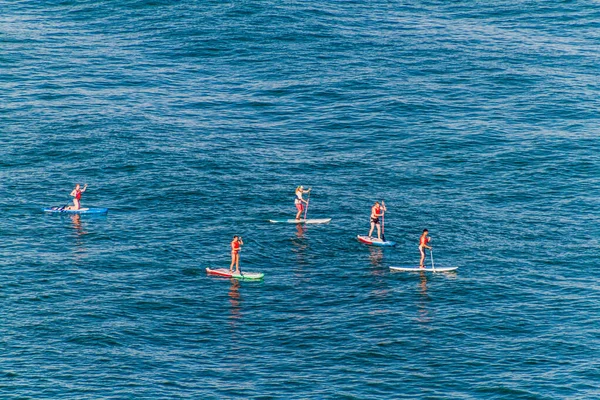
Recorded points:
(301,221)
(426,269)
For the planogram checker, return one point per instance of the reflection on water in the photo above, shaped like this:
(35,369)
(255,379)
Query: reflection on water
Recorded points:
(423,299)
(234,301)
(300,244)
(377,270)
(76,220)
(79,235)
(300,229)
(299,241)
(375,255)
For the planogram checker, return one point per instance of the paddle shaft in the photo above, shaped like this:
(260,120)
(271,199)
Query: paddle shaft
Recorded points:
(432,264)
(383,222)
(238,260)
(307,203)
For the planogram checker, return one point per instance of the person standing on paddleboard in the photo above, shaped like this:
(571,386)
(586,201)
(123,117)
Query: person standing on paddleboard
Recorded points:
(76,193)
(377,211)
(423,245)
(236,246)
(299,201)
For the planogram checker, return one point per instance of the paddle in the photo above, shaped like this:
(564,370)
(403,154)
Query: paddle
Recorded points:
(432,264)
(383,222)
(240,268)
(307,203)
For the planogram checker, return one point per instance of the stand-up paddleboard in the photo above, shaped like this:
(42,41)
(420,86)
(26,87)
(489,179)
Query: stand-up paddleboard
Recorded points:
(80,211)
(224,272)
(374,241)
(426,269)
(301,221)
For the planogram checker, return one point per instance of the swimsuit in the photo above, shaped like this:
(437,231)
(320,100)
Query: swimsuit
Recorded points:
(375,220)
(298,201)
(422,243)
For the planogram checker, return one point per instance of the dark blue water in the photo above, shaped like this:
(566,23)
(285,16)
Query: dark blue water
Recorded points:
(193,121)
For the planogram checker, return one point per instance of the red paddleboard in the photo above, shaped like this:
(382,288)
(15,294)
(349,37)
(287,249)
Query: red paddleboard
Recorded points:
(224,272)
(374,241)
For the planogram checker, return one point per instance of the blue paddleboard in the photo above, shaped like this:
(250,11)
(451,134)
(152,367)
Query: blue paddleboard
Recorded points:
(83,210)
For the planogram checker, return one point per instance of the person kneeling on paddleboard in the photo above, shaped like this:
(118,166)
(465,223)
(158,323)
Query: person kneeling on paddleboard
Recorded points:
(422,246)
(76,193)
(376,212)
(236,245)
(299,202)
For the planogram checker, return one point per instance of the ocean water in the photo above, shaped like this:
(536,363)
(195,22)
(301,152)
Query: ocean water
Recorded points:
(193,121)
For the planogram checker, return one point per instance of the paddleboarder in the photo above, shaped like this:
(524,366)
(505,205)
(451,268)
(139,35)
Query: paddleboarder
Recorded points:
(236,246)
(423,245)
(299,201)
(377,211)
(76,194)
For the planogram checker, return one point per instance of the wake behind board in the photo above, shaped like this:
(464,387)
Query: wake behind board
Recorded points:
(80,211)
(374,241)
(426,269)
(301,221)
(224,272)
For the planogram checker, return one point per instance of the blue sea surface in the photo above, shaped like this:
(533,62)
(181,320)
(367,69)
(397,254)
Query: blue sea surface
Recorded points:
(194,121)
